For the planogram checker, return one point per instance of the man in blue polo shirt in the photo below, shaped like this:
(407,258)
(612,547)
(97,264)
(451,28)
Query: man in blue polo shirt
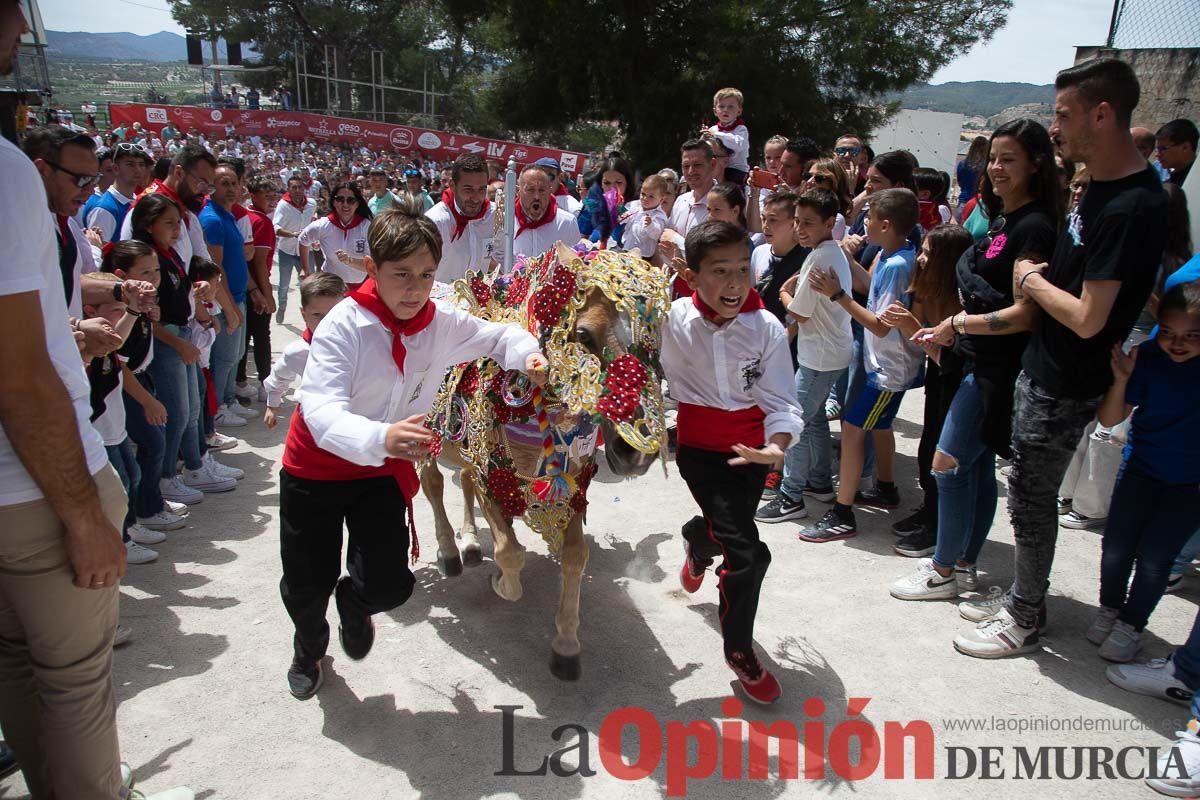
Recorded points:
(226,246)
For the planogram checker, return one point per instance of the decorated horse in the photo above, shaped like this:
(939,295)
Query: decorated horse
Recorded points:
(529,451)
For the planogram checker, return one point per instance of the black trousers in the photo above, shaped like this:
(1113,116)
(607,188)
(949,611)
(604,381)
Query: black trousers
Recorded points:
(311,514)
(728,497)
(258,330)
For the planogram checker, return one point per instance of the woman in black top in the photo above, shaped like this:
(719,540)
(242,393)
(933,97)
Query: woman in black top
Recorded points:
(1020,191)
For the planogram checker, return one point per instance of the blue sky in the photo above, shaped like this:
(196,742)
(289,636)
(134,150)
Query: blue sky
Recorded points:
(1038,40)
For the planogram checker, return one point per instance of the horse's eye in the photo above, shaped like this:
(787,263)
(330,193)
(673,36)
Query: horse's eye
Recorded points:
(584,337)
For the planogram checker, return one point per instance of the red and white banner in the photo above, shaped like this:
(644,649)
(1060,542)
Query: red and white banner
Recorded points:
(440,145)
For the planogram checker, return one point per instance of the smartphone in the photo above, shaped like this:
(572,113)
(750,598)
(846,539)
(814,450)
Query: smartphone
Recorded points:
(761,179)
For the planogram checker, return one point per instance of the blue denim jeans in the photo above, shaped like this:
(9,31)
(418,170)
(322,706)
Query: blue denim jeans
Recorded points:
(857,381)
(1187,665)
(287,265)
(1187,554)
(966,493)
(197,382)
(151,447)
(170,376)
(125,463)
(226,353)
(1148,523)
(810,460)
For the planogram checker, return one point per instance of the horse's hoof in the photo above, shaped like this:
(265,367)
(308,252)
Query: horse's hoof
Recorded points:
(565,668)
(472,556)
(449,567)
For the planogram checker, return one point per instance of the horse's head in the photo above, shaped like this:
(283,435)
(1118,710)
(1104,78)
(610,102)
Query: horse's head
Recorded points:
(605,332)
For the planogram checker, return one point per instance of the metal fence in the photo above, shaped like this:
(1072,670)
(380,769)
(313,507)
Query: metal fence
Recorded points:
(1143,24)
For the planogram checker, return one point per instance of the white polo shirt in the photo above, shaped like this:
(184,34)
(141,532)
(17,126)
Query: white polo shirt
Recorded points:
(332,238)
(289,218)
(473,249)
(534,242)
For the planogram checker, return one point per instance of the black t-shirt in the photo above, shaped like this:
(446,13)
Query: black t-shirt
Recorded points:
(1116,234)
(1028,230)
(137,344)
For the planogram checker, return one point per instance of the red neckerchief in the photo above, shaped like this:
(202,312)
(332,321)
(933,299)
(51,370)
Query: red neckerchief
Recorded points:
(460,219)
(158,187)
(307,336)
(355,221)
(525,224)
(63,229)
(560,191)
(299,207)
(173,257)
(752,303)
(368,297)
(728,128)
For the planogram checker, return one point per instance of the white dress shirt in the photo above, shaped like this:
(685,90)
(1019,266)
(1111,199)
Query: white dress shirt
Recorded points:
(689,212)
(289,218)
(352,391)
(569,204)
(190,242)
(286,369)
(641,233)
(741,364)
(472,250)
(332,238)
(534,242)
(104,220)
(85,262)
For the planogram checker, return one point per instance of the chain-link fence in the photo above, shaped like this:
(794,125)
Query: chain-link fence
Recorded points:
(1141,24)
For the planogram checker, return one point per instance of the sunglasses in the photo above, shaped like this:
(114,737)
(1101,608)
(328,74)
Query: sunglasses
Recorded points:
(81,180)
(812,176)
(131,147)
(345,198)
(1162,148)
(847,151)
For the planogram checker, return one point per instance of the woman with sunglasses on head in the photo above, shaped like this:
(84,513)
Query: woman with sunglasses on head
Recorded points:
(341,235)
(828,173)
(1020,191)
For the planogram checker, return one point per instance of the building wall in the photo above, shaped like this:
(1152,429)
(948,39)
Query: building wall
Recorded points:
(1170,79)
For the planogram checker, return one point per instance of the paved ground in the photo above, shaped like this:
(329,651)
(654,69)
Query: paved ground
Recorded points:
(203,700)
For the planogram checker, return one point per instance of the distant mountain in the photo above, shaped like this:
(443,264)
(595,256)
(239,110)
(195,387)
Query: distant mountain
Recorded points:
(974,99)
(161,46)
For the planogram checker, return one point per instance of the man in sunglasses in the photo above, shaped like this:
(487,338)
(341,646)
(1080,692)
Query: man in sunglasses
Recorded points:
(848,151)
(1176,146)
(132,171)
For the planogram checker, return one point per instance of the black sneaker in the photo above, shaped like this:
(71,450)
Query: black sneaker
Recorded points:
(1064,505)
(829,528)
(305,677)
(825,494)
(781,509)
(879,497)
(920,542)
(357,637)
(771,489)
(910,524)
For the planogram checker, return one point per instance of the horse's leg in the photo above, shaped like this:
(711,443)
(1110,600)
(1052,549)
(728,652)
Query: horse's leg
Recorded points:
(472,555)
(564,651)
(448,561)
(510,554)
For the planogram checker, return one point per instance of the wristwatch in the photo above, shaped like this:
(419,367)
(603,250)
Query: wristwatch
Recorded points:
(838,295)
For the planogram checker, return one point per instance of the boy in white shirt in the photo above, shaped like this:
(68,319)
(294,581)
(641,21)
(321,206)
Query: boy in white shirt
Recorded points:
(727,362)
(375,365)
(731,130)
(318,295)
(823,350)
(645,219)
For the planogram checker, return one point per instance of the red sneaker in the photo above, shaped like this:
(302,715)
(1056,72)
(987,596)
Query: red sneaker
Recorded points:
(758,684)
(690,575)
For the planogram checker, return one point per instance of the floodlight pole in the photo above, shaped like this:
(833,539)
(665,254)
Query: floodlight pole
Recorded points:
(510,214)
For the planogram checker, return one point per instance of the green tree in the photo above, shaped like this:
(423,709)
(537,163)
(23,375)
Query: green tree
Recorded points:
(809,67)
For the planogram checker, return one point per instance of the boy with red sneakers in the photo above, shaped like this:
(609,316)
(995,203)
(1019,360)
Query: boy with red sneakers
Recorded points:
(727,362)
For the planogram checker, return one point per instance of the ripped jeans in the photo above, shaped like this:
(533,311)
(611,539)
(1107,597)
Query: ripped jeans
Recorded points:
(967,492)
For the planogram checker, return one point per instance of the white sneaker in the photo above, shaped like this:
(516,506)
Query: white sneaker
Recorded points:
(1122,644)
(162,521)
(143,535)
(221,470)
(925,584)
(1155,678)
(227,419)
(122,636)
(1168,780)
(178,793)
(262,393)
(204,481)
(997,637)
(1102,625)
(175,489)
(219,441)
(967,577)
(244,391)
(136,554)
(178,509)
(242,411)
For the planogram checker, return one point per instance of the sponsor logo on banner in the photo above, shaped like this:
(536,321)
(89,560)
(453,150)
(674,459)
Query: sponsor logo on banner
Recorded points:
(520,154)
(347,127)
(216,115)
(429,140)
(157,116)
(276,122)
(568,162)
(401,138)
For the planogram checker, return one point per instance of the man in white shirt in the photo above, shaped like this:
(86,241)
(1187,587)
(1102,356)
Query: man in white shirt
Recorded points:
(132,165)
(561,196)
(293,212)
(540,222)
(465,220)
(699,171)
